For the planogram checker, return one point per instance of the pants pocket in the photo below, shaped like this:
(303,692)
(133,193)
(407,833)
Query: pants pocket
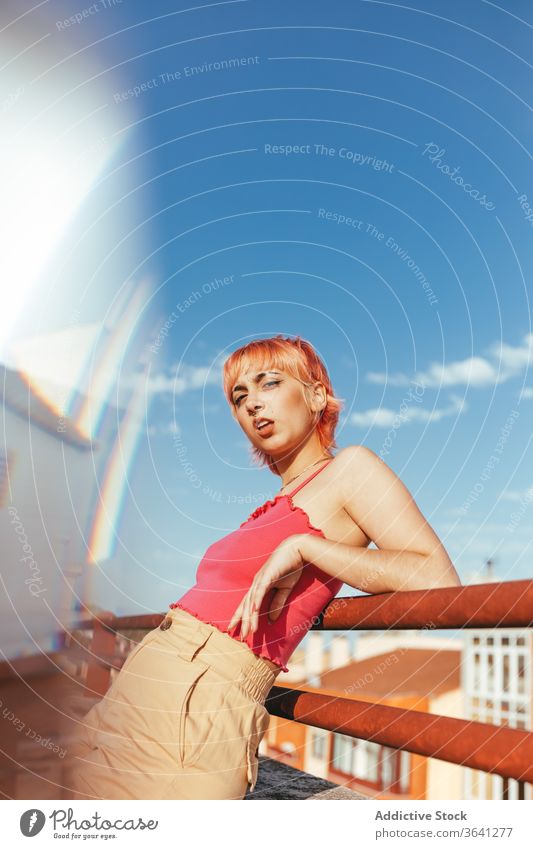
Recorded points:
(203,717)
(140,726)
(259,725)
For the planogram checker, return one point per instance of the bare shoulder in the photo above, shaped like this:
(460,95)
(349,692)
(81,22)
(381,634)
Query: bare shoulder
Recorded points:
(355,469)
(362,477)
(357,458)
(381,504)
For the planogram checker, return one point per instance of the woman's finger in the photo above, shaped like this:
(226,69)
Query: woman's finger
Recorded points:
(278,600)
(257,601)
(236,616)
(253,603)
(254,612)
(245,626)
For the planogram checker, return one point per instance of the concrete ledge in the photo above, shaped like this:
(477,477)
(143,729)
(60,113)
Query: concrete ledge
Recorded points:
(280,781)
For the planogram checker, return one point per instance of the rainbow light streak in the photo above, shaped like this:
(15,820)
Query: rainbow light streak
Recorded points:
(103,537)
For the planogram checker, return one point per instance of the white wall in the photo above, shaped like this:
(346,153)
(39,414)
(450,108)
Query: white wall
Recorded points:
(48,497)
(445,780)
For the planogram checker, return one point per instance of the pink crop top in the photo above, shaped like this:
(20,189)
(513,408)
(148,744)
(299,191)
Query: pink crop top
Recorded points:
(228,566)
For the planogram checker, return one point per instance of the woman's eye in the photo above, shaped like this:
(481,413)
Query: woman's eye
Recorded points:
(270,383)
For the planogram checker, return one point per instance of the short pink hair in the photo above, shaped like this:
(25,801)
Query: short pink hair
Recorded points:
(297,358)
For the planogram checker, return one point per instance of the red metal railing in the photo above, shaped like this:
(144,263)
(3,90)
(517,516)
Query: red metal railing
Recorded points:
(491,748)
(503,604)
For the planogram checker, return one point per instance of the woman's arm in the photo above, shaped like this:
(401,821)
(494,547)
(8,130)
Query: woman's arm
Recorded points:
(376,571)
(409,556)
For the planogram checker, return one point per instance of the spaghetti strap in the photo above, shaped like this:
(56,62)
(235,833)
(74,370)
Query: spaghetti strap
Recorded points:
(290,494)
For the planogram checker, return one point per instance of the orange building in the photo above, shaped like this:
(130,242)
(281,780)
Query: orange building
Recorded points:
(422,679)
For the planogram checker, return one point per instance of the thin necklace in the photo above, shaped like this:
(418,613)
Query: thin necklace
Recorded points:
(304,470)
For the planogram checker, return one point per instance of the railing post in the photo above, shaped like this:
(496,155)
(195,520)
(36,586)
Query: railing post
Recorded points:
(102,646)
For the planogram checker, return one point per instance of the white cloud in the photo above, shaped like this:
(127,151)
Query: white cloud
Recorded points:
(163,429)
(508,361)
(177,379)
(386,418)
(516,495)
(514,359)
(390,379)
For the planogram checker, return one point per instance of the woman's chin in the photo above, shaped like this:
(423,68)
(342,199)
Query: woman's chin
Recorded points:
(273,446)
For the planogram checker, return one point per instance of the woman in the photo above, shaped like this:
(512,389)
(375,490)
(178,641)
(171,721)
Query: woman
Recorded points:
(184,717)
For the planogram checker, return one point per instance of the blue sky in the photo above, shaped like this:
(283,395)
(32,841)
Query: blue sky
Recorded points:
(360,173)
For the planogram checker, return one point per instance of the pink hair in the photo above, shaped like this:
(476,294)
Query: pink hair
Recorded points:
(298,358)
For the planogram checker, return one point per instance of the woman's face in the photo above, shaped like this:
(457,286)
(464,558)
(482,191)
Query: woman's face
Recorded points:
(274,395)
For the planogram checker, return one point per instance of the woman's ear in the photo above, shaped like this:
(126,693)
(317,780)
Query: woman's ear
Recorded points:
(320,396)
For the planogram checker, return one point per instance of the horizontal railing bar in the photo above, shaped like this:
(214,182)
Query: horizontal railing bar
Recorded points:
(108,661)
(502,604)
(140,622)
(499,749)
(491,748)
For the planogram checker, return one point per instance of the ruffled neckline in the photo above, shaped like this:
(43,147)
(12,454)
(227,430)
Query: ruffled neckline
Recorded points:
(272,502)
(263,507)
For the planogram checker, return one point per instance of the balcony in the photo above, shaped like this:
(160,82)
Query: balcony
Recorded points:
(96,649)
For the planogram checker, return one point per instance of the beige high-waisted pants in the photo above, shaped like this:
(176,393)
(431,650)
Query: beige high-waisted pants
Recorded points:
(182,720)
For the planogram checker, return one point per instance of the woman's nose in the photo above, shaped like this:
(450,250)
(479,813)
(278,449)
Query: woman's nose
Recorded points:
(252,405)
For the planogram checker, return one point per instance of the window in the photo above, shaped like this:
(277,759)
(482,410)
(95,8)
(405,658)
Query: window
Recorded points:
(342,753)
(388,764)
(477,671)
(506,673)
(490,681)
(405,764)
(366,760)
(521,673)
(359,758)
(318,745)
(373,753)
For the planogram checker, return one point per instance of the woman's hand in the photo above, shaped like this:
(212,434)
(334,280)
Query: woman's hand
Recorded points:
(281,571)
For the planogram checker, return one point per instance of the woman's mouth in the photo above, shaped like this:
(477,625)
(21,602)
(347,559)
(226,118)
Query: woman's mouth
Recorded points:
(265,428)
